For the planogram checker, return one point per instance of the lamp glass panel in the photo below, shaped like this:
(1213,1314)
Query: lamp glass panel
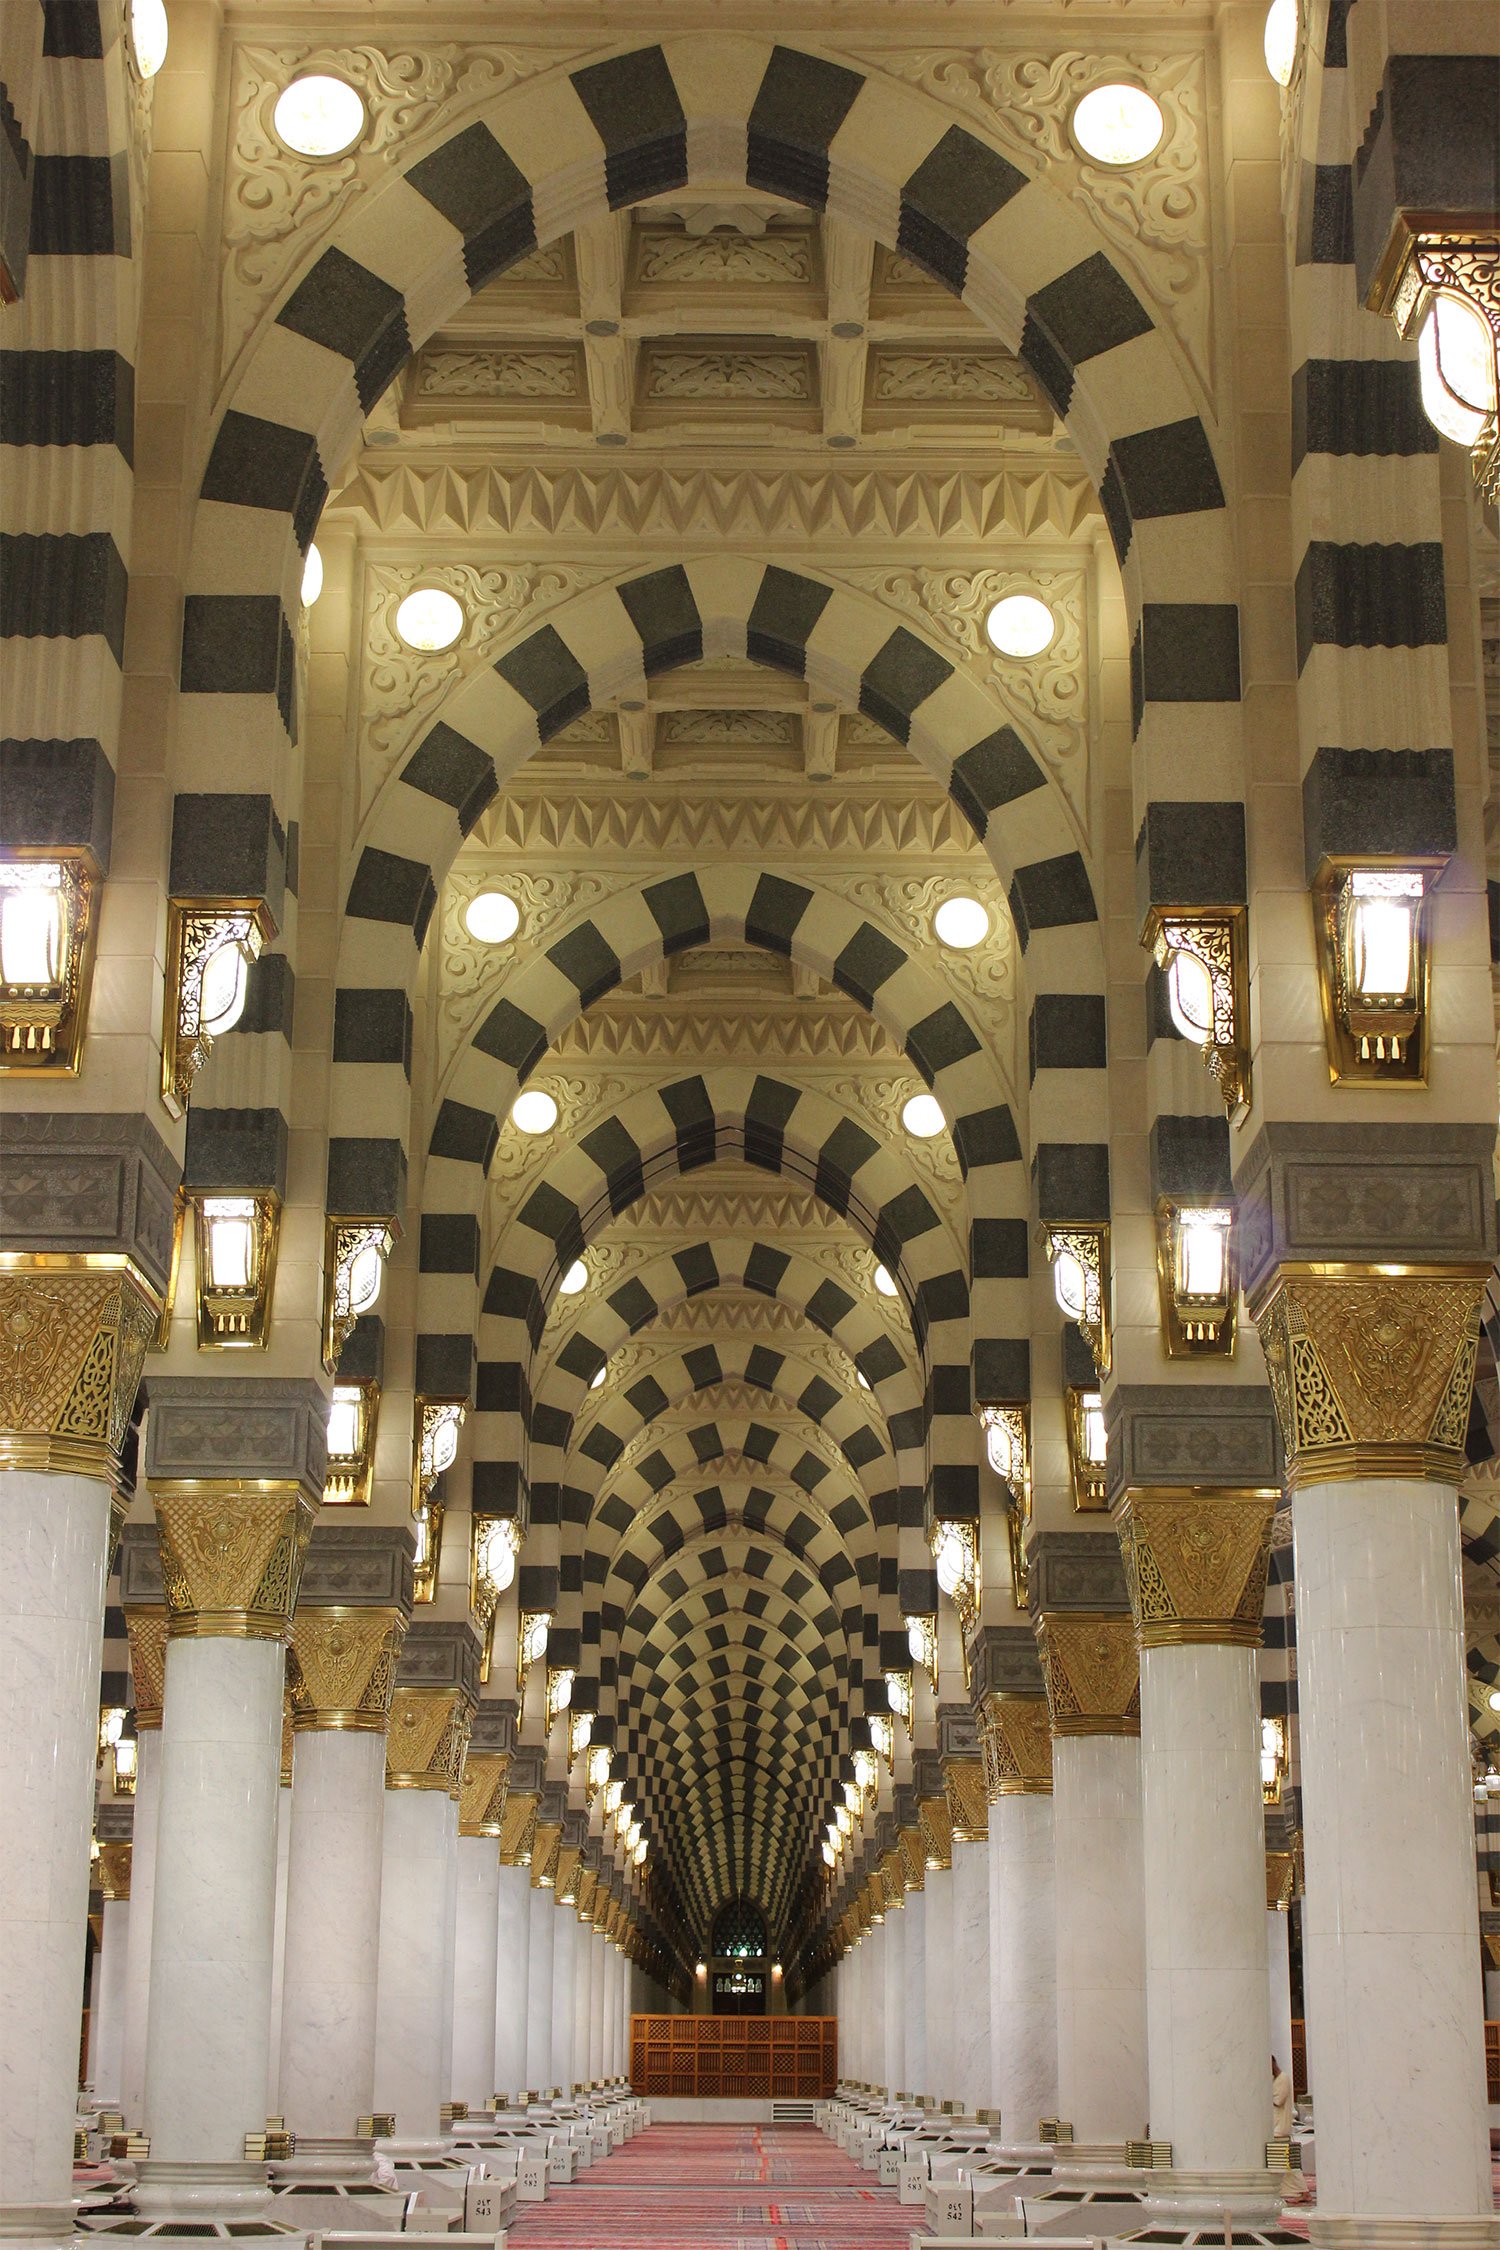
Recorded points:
(230,1221)
(1202,1253)
(222,987)
(950,1561)
(148,35)
(1070,1281)
(32,927)
(312,575)
(1092,1417)
(1190,997)
(1281,40)
(1456,366)
(497,1555)
(1382,934)
(345,1422)
(366,1268)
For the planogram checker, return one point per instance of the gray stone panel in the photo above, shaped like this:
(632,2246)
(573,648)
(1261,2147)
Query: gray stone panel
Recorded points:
(358,1565)
(140,1568)
(77,1183)
(242,1426)
(1077,1570)
(114,1820)
(494,1729)
(958,1735)
(440,1652)
(528,1769)
(1003,1661)
(1214,1434)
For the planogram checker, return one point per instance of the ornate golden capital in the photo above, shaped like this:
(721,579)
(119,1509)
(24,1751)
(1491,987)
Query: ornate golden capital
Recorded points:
(1195,1564)
(481,1796)
(968,1803)
(231,1555)
(1281,1881)
(1372,1368)
(937,1832)
(892,1876)
(426,1738)
(146,1630)
(913,1857)
(73,1338)
(114,1870)
(1017,1741)
(1092,1672)
(341,1667)
(518,1827)
(565,1873)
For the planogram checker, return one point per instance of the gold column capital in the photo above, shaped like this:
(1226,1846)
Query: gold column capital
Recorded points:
(341,1666)
(1017,1740)
(1371,1367)
(518,1827)
(481,1796)
(74,1329)
(546,1839)
(937,1832)
(146,1630)
(231,1555)
(114,1869)
(427,1738)
(1195,1564)
(968,1800)
(1092,1672)
(892,1876)
(913,1858)
(1281,1880)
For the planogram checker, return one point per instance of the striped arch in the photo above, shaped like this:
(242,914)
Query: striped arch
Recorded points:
(680,1127)
(568,147)
(583,1334)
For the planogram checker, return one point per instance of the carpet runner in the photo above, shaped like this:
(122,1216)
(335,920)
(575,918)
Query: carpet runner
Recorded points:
(720,2187)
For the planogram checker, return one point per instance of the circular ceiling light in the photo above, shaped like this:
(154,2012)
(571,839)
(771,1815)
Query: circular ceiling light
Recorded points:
(575,1280)
(534,1111)
(148,35)
(492,917)
(1281,40)
(923,1117)
(596,1380)
(312,576)
(861,1378)
(1021,625)
(430,620)
(1118,124)
(1495,1699)
(961,924)
(884,1283)
(318,115)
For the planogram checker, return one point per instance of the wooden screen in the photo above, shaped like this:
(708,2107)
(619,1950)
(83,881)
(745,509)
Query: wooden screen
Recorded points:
(759,2056)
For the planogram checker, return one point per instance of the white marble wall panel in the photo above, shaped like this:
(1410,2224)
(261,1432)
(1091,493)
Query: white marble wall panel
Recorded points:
(414,1999)
(1023,1956)
(333,1931)
(475,1953)
(1101,1952)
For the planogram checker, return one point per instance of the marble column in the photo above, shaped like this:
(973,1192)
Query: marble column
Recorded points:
(1371,1368)
(1089,1663)
(564,1972)
(599,1985)
(432,1709)
(540,1921)
(1017,1744)
(347,1636)
(939,1923)
(107,2001)
(146,1630)
(278,1925)
(893,1973)
(75,1331)
(477,1904)
(583,1997)
(1196,1565)
(511,1963)
(917,2079)
(968,1809)
(232,1547)
(1279,1984)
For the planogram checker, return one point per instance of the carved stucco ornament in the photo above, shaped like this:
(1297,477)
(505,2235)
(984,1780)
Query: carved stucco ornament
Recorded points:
(1092,1672)
(73,1337)
(1017,1743)
(341,1667)
(1372,1372)
(231,1555)
(427,1739)
(1195,1565)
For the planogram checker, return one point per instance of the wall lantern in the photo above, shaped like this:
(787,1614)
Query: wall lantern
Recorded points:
(1007,1446)
(235,1239)
(882,1738)
(1084,1416)
(898,1692)
(353,1412)
(596,1770)
(1080,1282)
(955,1556)
(1439,287)
(436,1423)
(1195,1266)
(531,1643)
(211,944)
(866,1772)
(1202,955)
(354,1255)
(1373,969)
(922,1640)
(559,1695)
(46,954)
(126,1764)
(494,1548)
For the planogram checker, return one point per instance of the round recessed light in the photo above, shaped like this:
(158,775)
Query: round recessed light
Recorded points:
(312,576)
(884,1283)
(596,1380)
(1119,124)
(1495,1699)
(534,1111)
(575,1280)
(1281,40)
(861,1378)
(961,923)
(492,917)
(923,1117)
(430,619)
(148,35)
(318,115)
(1021,625)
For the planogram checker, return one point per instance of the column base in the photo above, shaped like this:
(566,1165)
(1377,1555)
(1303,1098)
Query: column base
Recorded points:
(1327,2230)
(37,2226)
(167,2190)
(348,2161)
(1255,2198)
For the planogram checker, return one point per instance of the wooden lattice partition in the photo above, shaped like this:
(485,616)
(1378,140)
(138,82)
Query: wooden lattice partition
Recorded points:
(763,2057)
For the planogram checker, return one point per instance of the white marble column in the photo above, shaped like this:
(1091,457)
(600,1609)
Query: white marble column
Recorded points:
(893,1976)
(107,1999)
(475,1955)
(1279,1985)
(599,1983)
(1101,1966)
(1023,1958)
(939,1931)
(564,1972)
(540,1920)
(54,1535)
(278,1946)
(333,1937)
(511,1964)
(914,2041)
(583,1996)
(142,1897)
(1390,1916)
(971,1972)
(414,2005)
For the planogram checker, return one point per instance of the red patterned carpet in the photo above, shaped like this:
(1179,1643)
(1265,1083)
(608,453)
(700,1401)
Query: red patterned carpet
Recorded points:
(724,2187)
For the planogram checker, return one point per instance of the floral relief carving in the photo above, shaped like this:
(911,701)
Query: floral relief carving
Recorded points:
(534,373)
(278,204)
(723,254)
(948,377)
(1155,215)
(727,374)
